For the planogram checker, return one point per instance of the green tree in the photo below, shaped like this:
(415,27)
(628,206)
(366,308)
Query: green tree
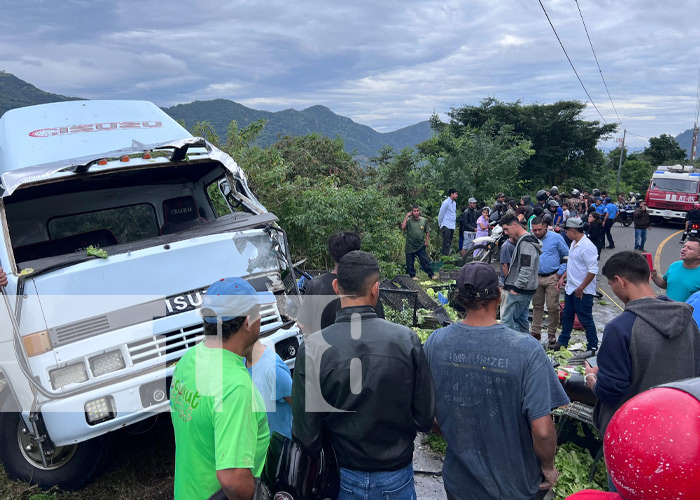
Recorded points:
(397,175)
(564,143)
(664,150)
(477,162)
(315,188)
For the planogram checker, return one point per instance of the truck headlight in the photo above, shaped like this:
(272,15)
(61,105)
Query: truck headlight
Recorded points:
(71,374)
(106,363)
(100,410)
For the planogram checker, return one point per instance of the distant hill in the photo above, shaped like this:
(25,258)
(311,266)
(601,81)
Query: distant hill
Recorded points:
(685,140)
(16,93)
(361,139)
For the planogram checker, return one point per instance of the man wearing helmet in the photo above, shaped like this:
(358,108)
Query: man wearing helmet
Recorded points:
(691,217)
(574,202)
(556,212)
(541,196)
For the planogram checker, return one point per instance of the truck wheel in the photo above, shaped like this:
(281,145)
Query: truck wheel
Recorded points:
(68,467)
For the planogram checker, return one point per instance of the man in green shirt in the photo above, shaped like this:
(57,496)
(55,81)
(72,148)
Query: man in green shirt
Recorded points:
(417,238)
(682,278)
(221,431)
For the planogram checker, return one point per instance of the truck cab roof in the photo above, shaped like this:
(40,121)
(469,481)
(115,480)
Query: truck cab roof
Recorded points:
(52,133)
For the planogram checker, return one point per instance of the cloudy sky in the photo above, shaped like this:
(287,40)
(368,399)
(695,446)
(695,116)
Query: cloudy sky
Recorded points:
(383,63)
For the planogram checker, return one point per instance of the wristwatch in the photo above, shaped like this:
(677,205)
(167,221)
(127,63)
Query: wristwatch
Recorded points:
(589,375)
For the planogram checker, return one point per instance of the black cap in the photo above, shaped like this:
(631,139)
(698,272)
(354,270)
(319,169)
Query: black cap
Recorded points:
(478,280)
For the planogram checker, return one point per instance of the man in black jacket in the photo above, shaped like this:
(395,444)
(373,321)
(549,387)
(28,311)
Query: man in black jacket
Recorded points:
(366,383)
(320,302)
(467,223)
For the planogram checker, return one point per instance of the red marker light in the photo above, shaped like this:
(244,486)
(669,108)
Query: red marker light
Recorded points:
(125,158)
(146,155)
(102,162)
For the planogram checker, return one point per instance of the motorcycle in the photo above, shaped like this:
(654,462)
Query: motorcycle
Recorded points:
(694,230)
(486,248)
(625,214)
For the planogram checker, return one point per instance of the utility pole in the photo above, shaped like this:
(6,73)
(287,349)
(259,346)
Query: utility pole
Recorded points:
(619,166)
(693,148)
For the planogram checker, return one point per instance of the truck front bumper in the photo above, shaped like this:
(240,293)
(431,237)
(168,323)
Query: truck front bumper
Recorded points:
(133,399)
(667,214)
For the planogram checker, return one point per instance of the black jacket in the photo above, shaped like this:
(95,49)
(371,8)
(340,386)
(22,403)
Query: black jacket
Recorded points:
(389,397)
(468,220)
(318,310)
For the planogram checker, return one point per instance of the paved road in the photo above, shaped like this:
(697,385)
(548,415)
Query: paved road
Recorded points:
(662,244)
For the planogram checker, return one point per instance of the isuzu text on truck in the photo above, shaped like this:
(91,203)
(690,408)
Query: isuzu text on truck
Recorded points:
(88,344)
(672,192)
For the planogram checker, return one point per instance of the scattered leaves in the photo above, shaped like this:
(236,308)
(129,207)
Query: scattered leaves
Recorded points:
(97,252)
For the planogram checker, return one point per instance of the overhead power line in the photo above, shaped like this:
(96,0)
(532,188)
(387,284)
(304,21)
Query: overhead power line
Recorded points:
(598,64)
(571,63)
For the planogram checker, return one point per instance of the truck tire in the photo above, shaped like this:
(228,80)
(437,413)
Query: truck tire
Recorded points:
(73,466)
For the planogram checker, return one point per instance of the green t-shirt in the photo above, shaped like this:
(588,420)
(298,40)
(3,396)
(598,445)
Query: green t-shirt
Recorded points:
(219,420)
(681,282)
(416,229)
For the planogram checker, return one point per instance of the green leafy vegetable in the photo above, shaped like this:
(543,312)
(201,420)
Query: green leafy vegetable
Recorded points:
(574,464)
(97,252)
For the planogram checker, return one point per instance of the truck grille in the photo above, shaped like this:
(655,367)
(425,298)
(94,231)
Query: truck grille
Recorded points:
(173,344)
(79,330)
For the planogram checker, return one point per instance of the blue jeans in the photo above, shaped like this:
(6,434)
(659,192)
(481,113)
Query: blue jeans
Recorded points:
(515,314)
(422,258)
(640,238)
(583,308)
(394,485)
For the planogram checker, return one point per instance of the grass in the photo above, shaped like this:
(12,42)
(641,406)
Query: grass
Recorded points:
(435,443)
(139,466)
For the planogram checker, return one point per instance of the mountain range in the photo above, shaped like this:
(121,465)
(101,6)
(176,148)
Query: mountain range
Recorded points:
(360,140)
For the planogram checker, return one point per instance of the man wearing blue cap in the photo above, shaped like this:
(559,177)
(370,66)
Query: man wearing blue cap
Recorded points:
(221,431)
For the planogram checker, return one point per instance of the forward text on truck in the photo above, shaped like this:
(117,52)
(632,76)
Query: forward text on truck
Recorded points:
(88,343)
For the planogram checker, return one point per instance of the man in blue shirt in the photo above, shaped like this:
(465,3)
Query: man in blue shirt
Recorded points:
(447,219)
(552,266)
(599,207)
(609,214)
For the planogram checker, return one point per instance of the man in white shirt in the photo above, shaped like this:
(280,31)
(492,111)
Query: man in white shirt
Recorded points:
(580,277)
(447,218)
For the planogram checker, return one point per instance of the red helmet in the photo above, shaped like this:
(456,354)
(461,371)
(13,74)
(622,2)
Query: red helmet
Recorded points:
(652,444)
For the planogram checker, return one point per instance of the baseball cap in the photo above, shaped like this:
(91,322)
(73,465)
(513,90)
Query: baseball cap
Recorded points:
(472,200)
(573,223)
(230,298)
(478,280)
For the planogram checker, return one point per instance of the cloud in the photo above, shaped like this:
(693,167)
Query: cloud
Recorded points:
(387,64)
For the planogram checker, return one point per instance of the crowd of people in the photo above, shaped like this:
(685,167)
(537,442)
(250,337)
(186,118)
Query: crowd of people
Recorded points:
(367,386)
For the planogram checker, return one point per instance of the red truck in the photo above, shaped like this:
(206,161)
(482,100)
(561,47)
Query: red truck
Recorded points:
(673,191)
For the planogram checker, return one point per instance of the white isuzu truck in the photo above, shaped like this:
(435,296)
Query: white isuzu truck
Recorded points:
(114,221)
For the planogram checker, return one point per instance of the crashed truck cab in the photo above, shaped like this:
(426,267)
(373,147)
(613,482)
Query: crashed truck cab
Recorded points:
(115,220)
